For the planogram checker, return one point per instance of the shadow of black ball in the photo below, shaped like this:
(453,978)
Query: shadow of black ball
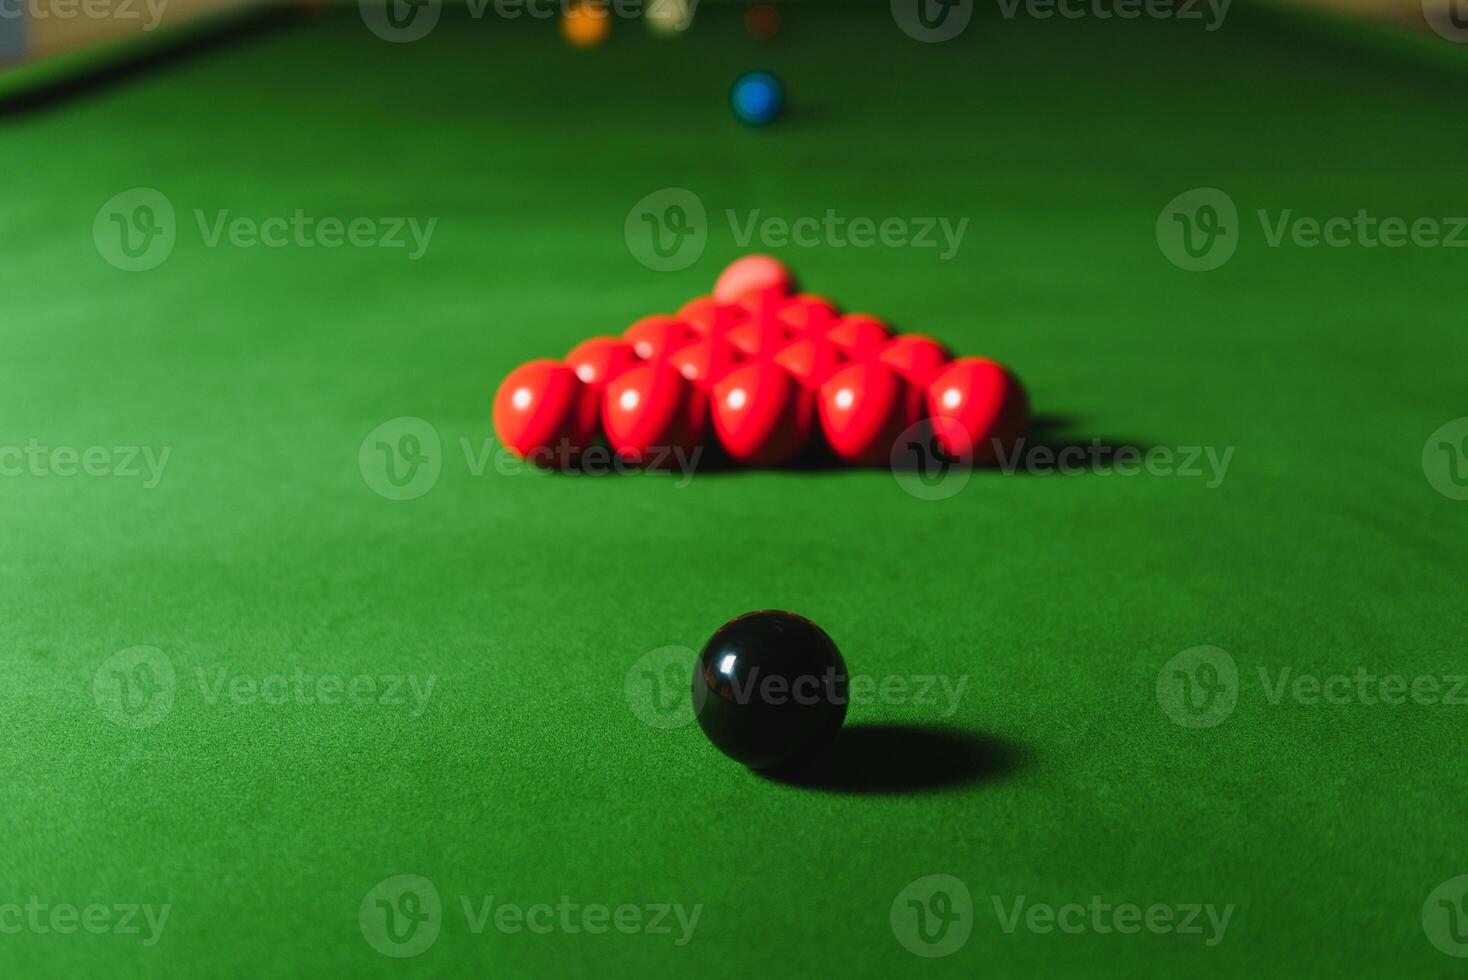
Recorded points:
(891,759)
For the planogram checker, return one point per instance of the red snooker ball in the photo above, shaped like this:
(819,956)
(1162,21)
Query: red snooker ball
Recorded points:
(651,410)
(763,332)
(750,275)
(706,315)
(543,408)
(762,415)
(859,333)
(658,335)
(600,359)
(808,313)
(865,406)
(811,359)
(916,357)
(705,361)
(978,405)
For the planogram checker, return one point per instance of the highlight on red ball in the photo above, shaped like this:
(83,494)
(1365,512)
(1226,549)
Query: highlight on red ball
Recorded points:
(761,375)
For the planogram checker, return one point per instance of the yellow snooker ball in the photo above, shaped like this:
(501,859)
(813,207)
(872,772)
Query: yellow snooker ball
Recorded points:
(586,25)
(668,17)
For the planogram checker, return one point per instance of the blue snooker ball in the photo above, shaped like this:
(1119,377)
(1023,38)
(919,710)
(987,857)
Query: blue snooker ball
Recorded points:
(757,98)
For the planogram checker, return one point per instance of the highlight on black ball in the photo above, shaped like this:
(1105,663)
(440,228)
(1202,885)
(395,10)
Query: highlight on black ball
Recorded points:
(770,688)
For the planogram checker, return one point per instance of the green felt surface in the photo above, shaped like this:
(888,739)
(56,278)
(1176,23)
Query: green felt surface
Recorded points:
(1057,600)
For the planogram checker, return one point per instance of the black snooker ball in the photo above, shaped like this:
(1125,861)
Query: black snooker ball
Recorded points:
(770,688)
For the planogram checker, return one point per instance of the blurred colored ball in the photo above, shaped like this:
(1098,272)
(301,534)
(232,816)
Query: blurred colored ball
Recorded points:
(757,98)
(763,20)
(668,17)
(586,26)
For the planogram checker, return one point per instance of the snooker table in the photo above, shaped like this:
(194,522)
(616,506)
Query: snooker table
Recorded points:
(332,687)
